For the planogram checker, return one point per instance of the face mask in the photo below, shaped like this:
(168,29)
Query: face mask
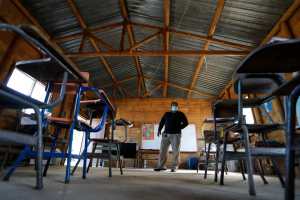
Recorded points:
(174,108)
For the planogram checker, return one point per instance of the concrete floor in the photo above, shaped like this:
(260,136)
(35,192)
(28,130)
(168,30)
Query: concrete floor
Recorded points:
(136,184)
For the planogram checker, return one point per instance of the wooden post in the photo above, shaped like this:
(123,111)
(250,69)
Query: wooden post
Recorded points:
(166,33)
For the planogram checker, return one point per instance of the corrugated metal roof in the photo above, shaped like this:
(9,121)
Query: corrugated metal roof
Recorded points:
(242,21)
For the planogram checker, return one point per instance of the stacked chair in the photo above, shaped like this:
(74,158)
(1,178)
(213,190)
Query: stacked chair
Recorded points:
(52,67)
(108,148)
(98,108)
(261,74)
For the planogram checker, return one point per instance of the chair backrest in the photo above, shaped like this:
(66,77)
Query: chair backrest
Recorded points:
(209,136)
(257,83)
(225,109)
(275,57)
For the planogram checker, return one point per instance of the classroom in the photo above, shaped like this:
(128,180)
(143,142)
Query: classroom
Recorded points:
(149,99)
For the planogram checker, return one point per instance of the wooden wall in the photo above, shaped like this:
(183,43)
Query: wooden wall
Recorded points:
(151,110)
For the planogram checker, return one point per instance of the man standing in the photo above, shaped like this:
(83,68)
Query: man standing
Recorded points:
(173,122)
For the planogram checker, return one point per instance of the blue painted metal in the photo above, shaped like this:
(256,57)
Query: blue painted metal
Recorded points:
(86,130)
(27,152)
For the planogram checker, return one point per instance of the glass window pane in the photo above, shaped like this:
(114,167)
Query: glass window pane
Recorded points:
(21,82)
(249,115)
(39,91)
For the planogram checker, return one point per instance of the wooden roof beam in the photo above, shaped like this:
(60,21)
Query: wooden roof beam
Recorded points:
(178,53)
(181,87)
(83,25)
(130,33)
(73,36)
(35,22)
(157,87)
(166,33)
(120,81)
(288,13)
(196,36)
(211,31)
(99,40)
(145,41)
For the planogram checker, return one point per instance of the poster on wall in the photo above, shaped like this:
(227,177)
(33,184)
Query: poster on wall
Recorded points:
(148,131)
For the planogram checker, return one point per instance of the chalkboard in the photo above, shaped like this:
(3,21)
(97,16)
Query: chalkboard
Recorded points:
(188,140)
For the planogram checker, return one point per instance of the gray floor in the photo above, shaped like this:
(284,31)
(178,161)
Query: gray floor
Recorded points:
(135,185)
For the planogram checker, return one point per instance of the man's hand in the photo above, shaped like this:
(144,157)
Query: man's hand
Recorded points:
(158,133)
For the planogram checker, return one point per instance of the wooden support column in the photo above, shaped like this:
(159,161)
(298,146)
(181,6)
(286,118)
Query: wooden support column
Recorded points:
(211,31)
(166,34)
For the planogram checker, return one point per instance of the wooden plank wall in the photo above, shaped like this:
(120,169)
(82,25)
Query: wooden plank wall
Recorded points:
(150,110)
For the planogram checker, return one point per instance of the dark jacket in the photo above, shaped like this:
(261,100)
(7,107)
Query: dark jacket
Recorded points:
(173,122)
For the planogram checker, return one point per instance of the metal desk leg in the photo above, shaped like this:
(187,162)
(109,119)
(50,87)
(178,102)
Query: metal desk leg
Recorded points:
(290,152)
(69,155)
(23,154)
(86,143)
(224,158)
(39,177)
(52,150)
(206,160)
(249,162)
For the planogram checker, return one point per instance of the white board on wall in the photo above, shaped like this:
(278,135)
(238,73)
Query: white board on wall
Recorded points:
(188,140)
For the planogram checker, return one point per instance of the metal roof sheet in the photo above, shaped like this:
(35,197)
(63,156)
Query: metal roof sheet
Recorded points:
(242,21)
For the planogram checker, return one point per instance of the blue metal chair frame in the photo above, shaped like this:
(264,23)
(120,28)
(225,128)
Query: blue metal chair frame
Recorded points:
(28,152)
(86,129)
(16,100)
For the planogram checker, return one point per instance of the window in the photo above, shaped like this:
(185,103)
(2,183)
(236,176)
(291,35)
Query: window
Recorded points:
(249,115)
(27,85)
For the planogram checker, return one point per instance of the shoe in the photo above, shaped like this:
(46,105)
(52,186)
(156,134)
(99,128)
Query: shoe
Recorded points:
(159,169)
(173,170)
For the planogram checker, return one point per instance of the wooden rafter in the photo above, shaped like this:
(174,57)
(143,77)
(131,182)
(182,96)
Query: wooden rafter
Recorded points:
(157,87)
(35,22)
(130,33)
(83,25)
(91,30)
(289,12)
(145,41)
(122,39)
(82,42)
(162,82)
(178,53)
(158,28)
(204,38)
(181,87)
(295,5)
(100,41)
(166,34)
(120,81)
(211,31)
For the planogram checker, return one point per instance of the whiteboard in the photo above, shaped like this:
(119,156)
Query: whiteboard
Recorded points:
(188,140)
